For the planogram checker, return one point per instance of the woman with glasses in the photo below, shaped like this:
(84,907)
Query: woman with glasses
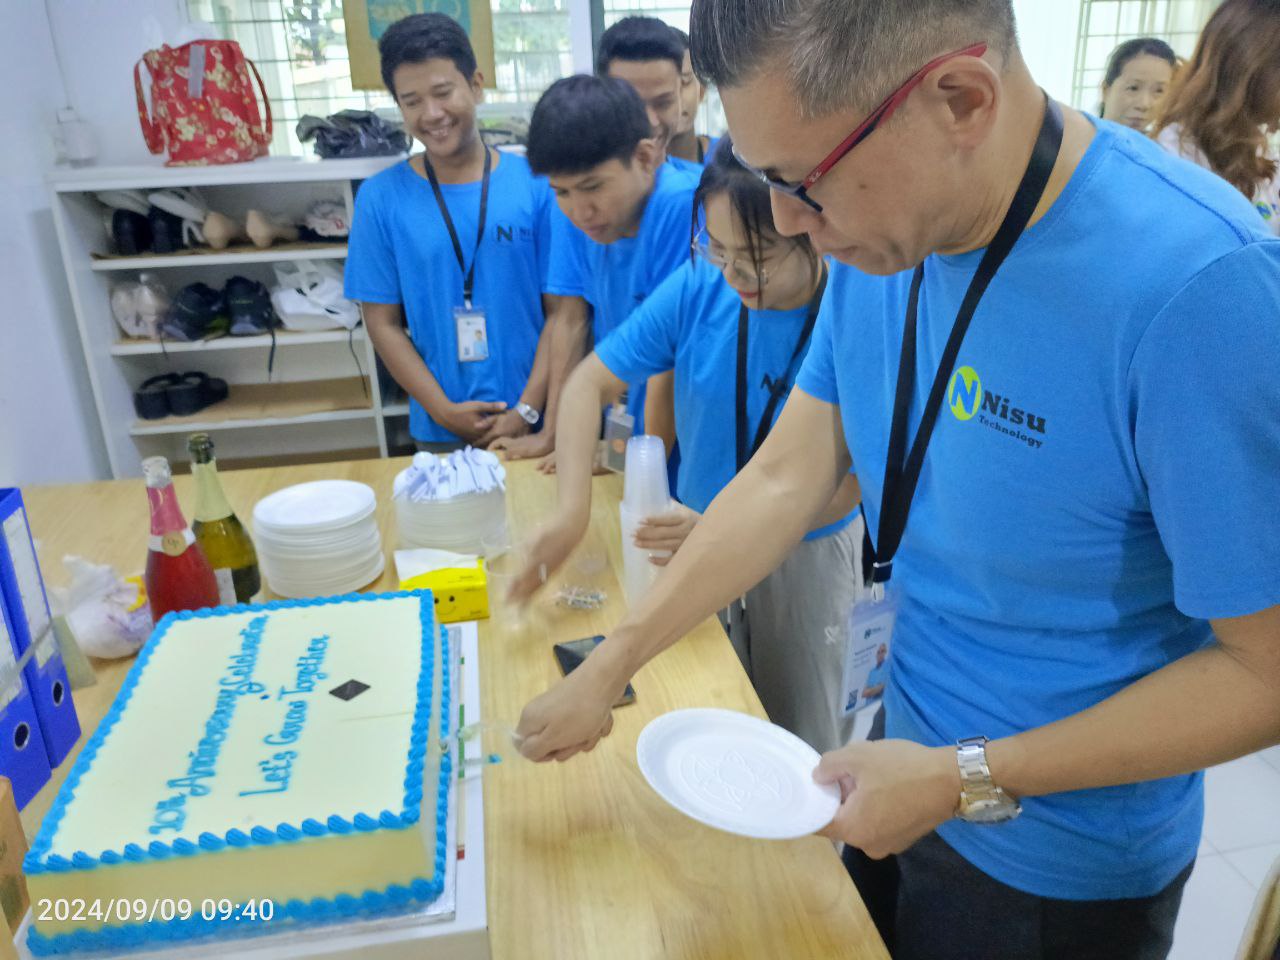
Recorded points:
(733,325)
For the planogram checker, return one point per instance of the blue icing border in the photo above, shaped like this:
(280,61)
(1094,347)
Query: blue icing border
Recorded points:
(320,910)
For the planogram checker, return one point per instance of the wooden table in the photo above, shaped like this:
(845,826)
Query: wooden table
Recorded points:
(583,859)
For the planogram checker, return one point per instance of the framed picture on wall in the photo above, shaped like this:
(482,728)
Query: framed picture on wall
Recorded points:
(368,20)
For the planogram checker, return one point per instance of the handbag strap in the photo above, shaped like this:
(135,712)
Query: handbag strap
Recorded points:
(266,101)
(151,131)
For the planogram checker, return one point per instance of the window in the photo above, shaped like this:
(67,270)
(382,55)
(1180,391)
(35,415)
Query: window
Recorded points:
(299,47)
(1105,24)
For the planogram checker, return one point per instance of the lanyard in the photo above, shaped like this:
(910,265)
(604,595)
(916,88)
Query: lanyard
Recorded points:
(468,275)
(777,388)
(902,470)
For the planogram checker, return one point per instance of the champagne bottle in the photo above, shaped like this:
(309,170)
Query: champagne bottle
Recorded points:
(178,575)
(219,531)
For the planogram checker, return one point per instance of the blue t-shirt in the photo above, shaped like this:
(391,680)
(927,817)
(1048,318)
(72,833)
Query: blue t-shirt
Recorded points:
(400,252)
(689,167)
(616,278)
(1103,479)
(690,325)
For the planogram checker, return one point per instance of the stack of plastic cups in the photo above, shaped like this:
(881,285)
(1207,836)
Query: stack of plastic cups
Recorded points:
(645,494)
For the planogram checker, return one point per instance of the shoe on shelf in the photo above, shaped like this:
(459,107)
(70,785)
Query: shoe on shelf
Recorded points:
(249,305)
(131,233)
(194,314)
(178,394)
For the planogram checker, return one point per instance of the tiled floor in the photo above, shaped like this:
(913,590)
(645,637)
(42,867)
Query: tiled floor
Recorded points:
(1241,842)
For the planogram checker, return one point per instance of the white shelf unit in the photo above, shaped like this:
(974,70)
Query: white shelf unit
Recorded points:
(323,394)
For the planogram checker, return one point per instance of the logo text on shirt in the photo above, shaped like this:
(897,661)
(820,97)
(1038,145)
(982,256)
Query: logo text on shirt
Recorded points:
(967,400)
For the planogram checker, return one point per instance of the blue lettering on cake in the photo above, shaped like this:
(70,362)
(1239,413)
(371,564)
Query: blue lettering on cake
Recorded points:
(309,672)
(294,718)
(202,761)
(276,771)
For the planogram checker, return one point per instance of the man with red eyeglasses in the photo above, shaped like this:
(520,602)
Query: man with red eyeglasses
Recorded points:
(1054,350)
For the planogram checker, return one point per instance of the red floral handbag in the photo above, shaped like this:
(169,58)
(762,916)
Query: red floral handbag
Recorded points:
(203,108)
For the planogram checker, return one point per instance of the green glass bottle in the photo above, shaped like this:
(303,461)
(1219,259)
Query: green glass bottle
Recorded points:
(219,531)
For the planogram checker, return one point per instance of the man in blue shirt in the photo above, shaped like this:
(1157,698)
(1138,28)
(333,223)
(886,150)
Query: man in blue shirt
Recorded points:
(648,54)
(687,144)
(626,214)
(1089,584)
(449,251)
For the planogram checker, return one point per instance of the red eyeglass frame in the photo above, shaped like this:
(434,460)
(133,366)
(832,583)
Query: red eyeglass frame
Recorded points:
(867,127)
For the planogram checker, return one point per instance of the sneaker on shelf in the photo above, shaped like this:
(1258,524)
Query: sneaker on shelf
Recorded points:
(166,231)
(131,233)
(194,313)
(325,222)
(249,305)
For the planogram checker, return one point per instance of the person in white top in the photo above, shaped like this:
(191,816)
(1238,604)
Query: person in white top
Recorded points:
(1225,103)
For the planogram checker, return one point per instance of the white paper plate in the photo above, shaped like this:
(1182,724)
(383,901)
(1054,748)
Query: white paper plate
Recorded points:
(315,506)
(736,773)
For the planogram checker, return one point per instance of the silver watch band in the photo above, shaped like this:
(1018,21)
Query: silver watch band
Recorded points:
(981,801)
(528,413)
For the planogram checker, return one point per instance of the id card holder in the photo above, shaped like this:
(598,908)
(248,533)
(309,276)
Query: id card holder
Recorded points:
(473,334)
(618,428)
(870,641)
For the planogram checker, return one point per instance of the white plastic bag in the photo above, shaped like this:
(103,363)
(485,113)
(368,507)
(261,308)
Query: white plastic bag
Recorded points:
(308,296)
(108,617)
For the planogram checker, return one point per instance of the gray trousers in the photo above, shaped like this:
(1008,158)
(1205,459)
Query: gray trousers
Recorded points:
(789,632)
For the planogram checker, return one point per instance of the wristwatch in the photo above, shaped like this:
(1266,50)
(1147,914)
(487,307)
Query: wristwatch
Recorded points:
(981,801)
(528,414)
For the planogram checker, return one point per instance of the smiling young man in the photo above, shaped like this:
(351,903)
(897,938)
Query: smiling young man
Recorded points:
(649,55)
(1088,590)
(687,144)
(626,213)
(449,251)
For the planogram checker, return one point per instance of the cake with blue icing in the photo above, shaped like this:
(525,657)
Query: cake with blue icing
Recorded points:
(263,768)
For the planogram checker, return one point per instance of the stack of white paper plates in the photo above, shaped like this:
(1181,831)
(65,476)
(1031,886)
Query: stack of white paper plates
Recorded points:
(318,539)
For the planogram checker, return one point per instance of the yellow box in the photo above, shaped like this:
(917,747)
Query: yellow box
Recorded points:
(461,593)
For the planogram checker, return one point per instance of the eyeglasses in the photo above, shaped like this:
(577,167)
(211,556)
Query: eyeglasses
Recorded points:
(868,126)
(745,270)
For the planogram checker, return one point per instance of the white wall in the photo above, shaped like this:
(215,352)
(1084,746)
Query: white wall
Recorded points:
(1048,30)
(48,425)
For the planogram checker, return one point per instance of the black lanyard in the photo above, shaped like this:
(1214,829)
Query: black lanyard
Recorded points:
(777,388)
(468,275)
(902,475)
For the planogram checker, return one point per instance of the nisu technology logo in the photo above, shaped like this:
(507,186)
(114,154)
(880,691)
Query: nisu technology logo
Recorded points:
(968,399)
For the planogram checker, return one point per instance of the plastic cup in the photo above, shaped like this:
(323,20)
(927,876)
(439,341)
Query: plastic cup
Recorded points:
(645,489)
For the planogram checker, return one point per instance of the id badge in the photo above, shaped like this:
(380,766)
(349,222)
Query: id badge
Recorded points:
(473,334)
(870,641)
(618,428)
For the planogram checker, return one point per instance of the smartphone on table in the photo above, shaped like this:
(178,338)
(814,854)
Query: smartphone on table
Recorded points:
(569,655)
